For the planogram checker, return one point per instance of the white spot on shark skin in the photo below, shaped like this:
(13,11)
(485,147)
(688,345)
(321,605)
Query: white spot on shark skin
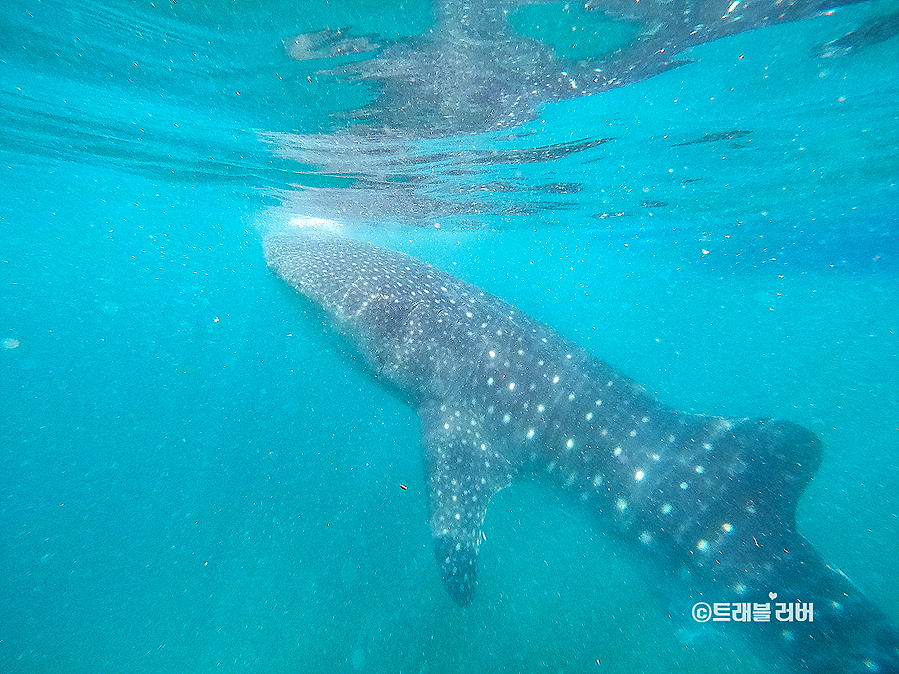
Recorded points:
(666,508)
(512,386)
(530,434)
(621,504)
(639,475)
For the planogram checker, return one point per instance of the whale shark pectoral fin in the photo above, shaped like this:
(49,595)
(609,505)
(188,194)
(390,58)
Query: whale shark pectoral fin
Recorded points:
(463,473)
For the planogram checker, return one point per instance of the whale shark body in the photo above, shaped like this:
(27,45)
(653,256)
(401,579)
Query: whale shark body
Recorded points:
(500,396)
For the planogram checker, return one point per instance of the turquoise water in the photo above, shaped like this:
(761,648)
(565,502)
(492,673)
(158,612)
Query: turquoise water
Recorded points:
(195,476)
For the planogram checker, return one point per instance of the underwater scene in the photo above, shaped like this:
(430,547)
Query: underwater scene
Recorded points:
(204,468)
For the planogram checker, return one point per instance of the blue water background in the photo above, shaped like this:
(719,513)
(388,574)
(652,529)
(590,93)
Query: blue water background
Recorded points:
(196,476)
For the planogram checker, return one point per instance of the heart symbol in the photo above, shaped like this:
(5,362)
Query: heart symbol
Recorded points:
(772,595)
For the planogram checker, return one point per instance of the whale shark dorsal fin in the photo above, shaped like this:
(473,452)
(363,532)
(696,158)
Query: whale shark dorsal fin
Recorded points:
(464,471)
(771,462)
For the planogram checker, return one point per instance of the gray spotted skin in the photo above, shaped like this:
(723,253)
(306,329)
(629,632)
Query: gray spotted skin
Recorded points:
(500,395)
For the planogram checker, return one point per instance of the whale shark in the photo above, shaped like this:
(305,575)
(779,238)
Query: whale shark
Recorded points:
(710,501)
